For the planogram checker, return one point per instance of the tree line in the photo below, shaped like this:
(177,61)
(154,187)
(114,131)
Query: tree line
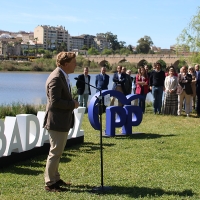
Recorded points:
(119,47)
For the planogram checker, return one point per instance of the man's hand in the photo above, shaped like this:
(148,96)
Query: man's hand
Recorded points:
(76,103)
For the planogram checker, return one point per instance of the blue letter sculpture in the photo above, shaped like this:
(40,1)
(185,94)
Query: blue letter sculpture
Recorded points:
(127,116)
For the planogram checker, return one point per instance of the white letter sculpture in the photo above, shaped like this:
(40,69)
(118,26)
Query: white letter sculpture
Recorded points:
(29,129)
(12,136)
(2,139)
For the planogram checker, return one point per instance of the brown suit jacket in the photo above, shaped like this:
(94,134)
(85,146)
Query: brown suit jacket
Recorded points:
(59,110)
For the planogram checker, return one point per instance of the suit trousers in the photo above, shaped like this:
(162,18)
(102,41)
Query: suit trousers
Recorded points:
(157,93)
(198,103)
(83,100)
(118,88)
(57,141)
(187,98)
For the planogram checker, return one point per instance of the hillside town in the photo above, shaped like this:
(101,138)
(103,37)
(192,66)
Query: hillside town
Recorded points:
(54,37)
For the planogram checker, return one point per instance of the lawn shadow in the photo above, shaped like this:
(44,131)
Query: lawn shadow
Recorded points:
(25,169)
(132,192)
(89,147)
(143,136)
(32,165)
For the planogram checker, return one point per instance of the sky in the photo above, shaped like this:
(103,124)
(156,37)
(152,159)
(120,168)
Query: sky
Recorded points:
(130,20)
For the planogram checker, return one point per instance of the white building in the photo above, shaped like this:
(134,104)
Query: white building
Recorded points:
(9,45)
(52,37)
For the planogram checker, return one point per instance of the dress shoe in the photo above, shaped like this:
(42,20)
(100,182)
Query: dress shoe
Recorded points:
(54,188)
(63,183)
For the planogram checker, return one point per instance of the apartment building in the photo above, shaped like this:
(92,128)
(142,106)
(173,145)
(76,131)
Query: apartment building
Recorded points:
(52,37)
(100,42)
(77,42)
(88,40)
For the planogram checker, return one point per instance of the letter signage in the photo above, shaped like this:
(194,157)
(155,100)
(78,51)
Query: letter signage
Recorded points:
(116,116)
(24,132)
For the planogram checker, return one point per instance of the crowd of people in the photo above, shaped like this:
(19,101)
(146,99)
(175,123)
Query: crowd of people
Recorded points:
(181,91)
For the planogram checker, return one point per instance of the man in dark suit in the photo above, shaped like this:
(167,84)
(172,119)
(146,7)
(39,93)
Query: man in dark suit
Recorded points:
(128,81)
(58,117)
(102,81)
(83,89)
(198,93)
(119,79)
(196,67)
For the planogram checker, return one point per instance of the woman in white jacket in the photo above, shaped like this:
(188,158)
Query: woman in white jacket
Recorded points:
(170,103)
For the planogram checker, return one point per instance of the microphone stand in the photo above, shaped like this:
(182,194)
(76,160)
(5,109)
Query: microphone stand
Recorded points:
(101,188)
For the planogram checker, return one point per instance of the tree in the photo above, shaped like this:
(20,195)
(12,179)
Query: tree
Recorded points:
(107,52)
(144,44)
(31,51)
(55,52)
(113,40)
(93,64)
(56,45)
(47,54)
(41,51)
(63,46)
(122,44)
(36,39)
(110,37)
(129,47)
(190,35)
(28,43)
(93,51)
(125,51)
(163,64)
(84,47)
(48,44)
(190,38)
(25,52)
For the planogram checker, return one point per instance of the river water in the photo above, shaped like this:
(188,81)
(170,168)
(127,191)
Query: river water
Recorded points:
(29,87)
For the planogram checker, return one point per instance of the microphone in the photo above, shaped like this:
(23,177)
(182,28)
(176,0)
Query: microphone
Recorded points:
(100,96)
(78,79)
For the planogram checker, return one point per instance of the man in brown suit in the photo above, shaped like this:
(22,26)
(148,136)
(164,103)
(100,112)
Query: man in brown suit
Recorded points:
(59,117)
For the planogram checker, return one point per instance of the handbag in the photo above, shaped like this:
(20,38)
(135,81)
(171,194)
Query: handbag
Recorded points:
(179,89)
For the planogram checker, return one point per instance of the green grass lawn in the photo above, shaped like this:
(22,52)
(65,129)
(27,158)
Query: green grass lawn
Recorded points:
(161,163)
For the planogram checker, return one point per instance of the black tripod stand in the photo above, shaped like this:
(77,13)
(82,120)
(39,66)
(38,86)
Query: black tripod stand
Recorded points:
(101,188)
